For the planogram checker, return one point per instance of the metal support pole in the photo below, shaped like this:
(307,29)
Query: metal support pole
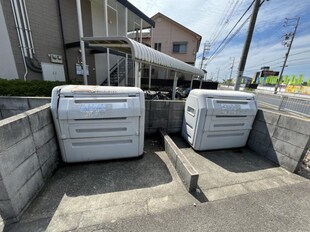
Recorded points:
(141,28)
(150,71)
(126,61)
(247,45)
(106,18)
(191,86)
(286,57)
(150,77)
(137,75)
(175,81)
(82,45)
(126,70)
(200,84)
(126,21)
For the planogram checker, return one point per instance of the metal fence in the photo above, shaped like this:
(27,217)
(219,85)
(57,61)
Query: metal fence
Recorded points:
(296,105)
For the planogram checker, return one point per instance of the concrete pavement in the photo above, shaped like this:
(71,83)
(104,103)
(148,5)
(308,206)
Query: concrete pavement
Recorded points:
(83,195)
(282,209)
(233,172)
(238,193)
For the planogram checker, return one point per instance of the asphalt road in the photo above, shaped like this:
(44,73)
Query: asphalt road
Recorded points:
(296,105)
(268,100)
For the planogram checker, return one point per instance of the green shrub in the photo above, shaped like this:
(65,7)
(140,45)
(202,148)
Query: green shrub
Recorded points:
(27,88)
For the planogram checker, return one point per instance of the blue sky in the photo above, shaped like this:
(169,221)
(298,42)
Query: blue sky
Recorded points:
(205,17)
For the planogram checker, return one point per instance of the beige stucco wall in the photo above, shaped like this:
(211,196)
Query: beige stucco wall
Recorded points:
(166,32)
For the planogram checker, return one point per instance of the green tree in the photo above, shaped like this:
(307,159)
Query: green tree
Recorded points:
(300,79)
(293,80)
(286,79)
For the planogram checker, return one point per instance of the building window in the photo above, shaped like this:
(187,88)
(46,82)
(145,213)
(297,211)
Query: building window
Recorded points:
(179,47)
(157,46)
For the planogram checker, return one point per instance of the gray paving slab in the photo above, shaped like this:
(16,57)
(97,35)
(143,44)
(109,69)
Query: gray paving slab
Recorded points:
(232,172)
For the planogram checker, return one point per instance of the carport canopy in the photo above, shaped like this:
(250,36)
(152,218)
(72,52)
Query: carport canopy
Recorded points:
(142,53)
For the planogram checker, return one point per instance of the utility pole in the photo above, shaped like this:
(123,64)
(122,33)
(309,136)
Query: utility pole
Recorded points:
(206,49)
(232,67)
(288,41)
(247,44)
(218,73)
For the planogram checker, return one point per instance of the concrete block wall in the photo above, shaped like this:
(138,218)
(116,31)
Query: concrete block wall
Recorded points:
(165,115)
(281,138)
(10,106)
(28,156)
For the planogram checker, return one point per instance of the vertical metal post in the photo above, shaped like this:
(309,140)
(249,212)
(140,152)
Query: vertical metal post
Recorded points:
(175,81)
(126,21)
(137,75)
(150,76)
(118,70)
(150,70)
(126,59)
(141,28)
(81,33)
(191,86)
(200,82)
(126,70)
(247,44)
(107,34)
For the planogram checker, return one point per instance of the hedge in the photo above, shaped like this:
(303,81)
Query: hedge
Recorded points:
(27,88)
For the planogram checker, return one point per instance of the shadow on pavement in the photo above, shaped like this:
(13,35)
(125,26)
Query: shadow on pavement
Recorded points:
(234,160)
(237,160)
(95,178)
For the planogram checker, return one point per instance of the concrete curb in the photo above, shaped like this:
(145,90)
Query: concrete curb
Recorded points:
(185,170)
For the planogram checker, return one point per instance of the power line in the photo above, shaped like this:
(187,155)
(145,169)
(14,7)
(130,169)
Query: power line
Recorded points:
(221,21)
(272,61)
(232,36)
(232,29)
(225,24)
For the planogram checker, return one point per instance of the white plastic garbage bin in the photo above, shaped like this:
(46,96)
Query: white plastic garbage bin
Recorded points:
(215,119)
(97,122)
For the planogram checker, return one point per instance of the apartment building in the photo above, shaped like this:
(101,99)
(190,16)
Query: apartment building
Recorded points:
(41,41)
(175,40)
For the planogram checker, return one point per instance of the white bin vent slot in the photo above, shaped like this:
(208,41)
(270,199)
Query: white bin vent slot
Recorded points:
(230,116)
(226,135)
(83,144)
(190,126)
(191,111)
(232,102)
(100,130)
(228,125)
(100,119)
(80,101)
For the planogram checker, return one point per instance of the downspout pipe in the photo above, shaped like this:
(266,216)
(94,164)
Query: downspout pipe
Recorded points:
(20,42)
(63,40)
(19,16)
(36,67)
(81,35)
(25,27)
(19,27)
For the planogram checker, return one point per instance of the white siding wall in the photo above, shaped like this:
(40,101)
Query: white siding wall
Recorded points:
(7,63)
